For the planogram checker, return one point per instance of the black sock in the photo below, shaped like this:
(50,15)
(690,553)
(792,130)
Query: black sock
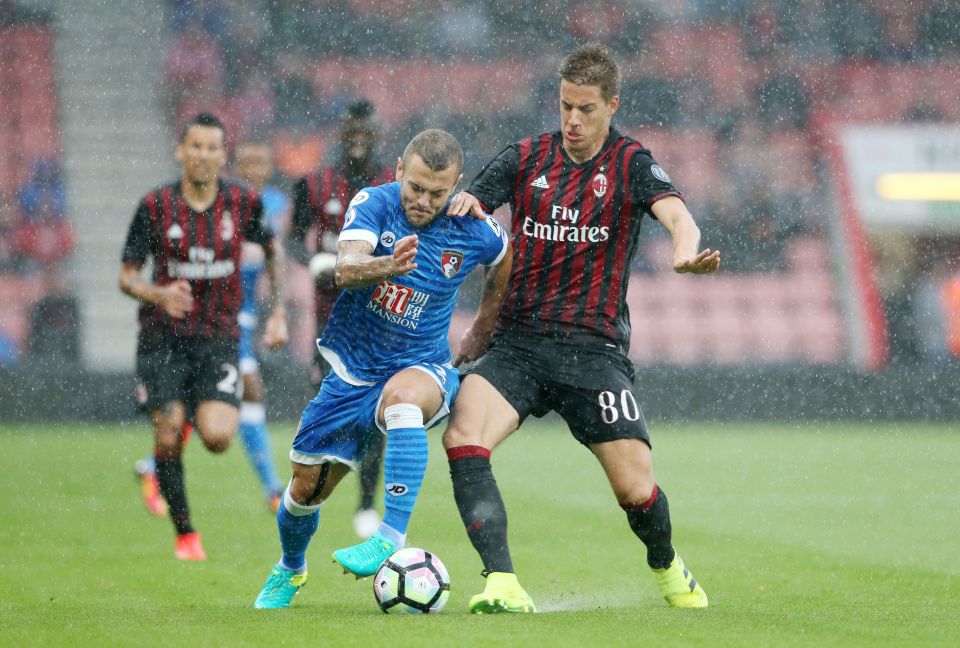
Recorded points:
(650,521)
(170,480)
(481,507)
(370,467)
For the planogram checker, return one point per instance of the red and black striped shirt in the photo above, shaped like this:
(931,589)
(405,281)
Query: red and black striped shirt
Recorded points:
(575,232)
(203,248)
(320,200)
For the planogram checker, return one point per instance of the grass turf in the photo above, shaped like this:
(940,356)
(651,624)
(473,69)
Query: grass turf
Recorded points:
(839,535)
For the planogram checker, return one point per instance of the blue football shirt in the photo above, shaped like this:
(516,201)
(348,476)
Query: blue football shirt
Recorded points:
(378,330)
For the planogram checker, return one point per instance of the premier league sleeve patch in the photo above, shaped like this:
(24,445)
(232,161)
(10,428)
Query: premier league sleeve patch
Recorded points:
(450,262)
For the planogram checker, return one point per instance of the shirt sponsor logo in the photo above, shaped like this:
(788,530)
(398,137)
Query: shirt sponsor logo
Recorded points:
(600,185)
(450,262)
(398,304)
(202,264)
(560,231)
(387,239)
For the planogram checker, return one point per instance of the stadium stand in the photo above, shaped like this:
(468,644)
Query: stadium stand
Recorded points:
(37,236)
(730,97)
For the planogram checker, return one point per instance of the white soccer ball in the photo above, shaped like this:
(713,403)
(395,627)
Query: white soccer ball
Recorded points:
(412,581)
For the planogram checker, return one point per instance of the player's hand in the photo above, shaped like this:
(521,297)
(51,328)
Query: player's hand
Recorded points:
(473,344)
(705,262)
(463,204)
(275,333)
(404,253)
(176,299)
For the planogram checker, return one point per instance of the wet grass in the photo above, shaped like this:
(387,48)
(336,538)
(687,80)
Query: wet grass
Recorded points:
(802,535)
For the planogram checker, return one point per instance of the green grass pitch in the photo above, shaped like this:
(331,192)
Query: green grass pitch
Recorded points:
(802,535)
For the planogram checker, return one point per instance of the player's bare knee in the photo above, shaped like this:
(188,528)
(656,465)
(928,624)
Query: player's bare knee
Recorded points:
(167,438)
(456,435)
(399,395)
(302,491)
(635,494)
(216,439)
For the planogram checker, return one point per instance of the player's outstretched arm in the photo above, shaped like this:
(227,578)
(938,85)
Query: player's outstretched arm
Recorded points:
(357,267)
(275,333)
(175,298)
(674,215)
(476,339)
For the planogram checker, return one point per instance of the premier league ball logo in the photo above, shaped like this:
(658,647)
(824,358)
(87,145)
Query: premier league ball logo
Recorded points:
(450,262)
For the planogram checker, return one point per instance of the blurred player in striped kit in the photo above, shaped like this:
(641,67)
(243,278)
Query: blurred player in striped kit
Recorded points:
(253,162)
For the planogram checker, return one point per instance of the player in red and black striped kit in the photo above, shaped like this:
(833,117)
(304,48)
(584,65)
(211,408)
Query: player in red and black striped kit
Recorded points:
(319,201)
(559,321)
(187,349)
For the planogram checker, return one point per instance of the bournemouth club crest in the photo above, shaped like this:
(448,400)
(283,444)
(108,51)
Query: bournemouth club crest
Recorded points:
(599,185)
(450,262)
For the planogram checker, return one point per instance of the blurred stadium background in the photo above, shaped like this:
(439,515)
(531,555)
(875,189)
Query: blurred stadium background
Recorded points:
(815,142)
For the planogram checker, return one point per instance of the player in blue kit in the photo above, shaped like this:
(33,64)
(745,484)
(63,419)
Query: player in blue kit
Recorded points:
(400,263)
(254,165)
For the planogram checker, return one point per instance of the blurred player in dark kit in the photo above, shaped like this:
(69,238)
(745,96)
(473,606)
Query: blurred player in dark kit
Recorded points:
(187,348)
(319,201)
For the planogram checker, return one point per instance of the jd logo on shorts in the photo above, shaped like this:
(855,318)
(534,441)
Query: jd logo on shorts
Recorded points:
(397,489)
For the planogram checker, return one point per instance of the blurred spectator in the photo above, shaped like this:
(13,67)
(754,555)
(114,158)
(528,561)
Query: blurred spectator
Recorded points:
(42,243)
(463,28)
(648,101)
(9,355)
(597,20)
(43,235)
(938,29)
(781,97)
(296,102)
(855,29)
(44,196)
(9,222)
(193,62)
(55,323)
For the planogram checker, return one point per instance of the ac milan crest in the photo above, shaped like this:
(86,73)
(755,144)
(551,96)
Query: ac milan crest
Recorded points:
(450,262)
(599,185)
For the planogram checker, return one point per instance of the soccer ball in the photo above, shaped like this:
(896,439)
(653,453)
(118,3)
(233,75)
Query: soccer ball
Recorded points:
(412,581)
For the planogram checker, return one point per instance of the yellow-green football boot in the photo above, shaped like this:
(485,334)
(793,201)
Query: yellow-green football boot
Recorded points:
(679,586)
(502,594)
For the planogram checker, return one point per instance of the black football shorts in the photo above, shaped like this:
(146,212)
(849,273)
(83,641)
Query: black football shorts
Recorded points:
(186,369)
(595,394)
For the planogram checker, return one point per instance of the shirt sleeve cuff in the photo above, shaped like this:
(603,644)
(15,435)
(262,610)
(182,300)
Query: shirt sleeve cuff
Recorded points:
(359,235)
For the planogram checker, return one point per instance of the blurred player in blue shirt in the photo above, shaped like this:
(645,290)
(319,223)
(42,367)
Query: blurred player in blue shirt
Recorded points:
(400,263)
(254,165)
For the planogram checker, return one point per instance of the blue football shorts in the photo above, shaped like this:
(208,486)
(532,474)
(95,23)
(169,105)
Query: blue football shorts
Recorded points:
(340,422)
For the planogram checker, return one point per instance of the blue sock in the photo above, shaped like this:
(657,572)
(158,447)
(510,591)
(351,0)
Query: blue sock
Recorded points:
(404,464)
(256,441)
(297,524)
